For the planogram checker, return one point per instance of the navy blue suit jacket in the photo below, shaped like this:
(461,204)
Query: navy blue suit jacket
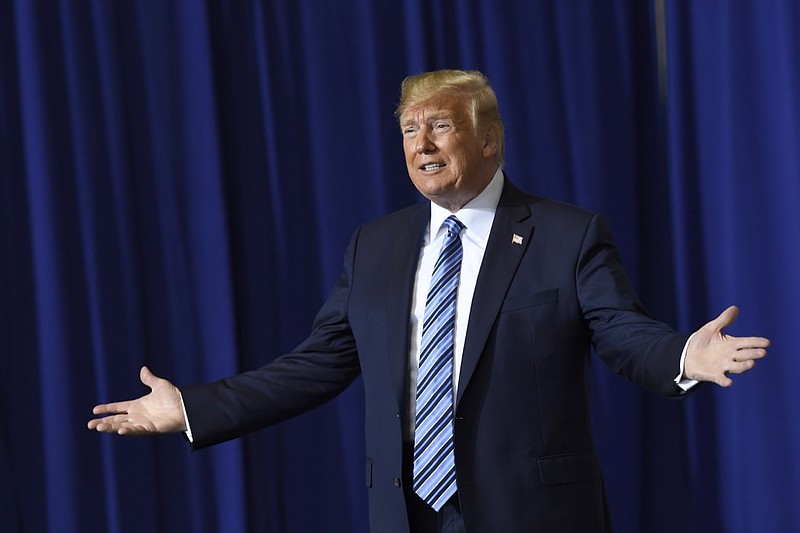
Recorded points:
(524,453)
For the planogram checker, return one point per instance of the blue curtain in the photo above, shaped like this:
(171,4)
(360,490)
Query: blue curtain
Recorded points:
(734,173)
(178,181)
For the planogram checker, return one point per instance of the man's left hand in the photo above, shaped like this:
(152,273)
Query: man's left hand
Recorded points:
(712,355)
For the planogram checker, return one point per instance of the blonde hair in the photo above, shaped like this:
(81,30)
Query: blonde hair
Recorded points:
(471,85)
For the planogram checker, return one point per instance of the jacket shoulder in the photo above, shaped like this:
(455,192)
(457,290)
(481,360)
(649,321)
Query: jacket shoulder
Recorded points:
(545,209)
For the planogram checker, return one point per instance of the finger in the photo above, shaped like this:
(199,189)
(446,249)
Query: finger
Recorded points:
(105,426)
(723,381)
(739,367)
(111,408)
(750,342)
(119,429)
(121,425)
(749,353)
(113,420)
(99,424)
(133,430)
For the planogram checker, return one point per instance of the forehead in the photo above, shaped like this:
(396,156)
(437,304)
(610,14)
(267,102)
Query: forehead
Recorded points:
(441,106)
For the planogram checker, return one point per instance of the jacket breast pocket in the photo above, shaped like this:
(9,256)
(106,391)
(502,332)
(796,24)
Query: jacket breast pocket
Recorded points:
(569,468)
(515,302)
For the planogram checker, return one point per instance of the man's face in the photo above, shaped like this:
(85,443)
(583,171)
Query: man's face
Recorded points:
(448,161)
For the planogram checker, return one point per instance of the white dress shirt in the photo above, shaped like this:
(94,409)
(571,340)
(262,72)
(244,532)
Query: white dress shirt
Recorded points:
(477,217)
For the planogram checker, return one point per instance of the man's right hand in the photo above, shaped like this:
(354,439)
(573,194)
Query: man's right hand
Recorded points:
(160,411)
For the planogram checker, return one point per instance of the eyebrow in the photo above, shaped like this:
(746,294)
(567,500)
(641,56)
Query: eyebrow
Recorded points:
(437,115)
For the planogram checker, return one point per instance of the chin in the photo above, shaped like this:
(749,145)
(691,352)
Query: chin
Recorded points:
(437,194)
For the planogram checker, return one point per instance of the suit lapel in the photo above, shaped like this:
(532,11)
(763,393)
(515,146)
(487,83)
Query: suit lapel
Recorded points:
(400,287)
(508,240)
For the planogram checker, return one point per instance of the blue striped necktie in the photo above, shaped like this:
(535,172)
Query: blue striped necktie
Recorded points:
(434,457)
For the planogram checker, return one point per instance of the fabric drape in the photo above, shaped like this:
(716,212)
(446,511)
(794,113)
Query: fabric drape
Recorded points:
(178,182)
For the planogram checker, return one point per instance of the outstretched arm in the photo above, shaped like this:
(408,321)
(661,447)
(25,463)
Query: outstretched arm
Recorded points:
(158,412)
(712,354)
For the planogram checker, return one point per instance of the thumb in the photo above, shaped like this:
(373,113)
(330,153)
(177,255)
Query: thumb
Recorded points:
(726,318)
(147,377)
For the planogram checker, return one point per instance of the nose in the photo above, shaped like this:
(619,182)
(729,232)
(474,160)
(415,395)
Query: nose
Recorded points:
(424,144)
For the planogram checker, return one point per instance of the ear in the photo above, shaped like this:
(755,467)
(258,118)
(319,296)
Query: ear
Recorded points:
(491,140)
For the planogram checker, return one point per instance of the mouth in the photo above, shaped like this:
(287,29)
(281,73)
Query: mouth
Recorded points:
(430,167)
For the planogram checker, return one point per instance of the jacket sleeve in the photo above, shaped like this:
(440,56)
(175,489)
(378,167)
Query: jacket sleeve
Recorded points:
(643,350)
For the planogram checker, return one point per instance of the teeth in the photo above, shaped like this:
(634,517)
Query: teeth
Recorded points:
(432,166)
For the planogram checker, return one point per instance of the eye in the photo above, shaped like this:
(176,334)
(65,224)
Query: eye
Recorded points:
(410,131)
(442,126)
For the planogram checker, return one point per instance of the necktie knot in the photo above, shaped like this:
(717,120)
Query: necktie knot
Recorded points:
(453,225)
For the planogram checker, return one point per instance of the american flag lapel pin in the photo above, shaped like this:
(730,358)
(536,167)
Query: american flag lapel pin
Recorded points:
(516,239)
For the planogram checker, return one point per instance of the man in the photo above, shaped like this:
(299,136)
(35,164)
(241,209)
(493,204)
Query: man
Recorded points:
(471,319)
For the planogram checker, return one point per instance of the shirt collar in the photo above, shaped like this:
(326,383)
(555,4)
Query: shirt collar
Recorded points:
(477,215)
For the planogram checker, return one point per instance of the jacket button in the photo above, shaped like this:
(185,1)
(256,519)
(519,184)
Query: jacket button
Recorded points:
(396,482)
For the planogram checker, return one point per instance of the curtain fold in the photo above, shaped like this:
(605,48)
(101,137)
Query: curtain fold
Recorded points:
(734,156)
(178,182)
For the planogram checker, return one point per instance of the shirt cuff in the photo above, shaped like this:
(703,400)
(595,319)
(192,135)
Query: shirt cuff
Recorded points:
(681,381)
(188,431)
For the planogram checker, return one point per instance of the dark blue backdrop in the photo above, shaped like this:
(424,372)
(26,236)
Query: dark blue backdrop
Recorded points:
(179,180)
